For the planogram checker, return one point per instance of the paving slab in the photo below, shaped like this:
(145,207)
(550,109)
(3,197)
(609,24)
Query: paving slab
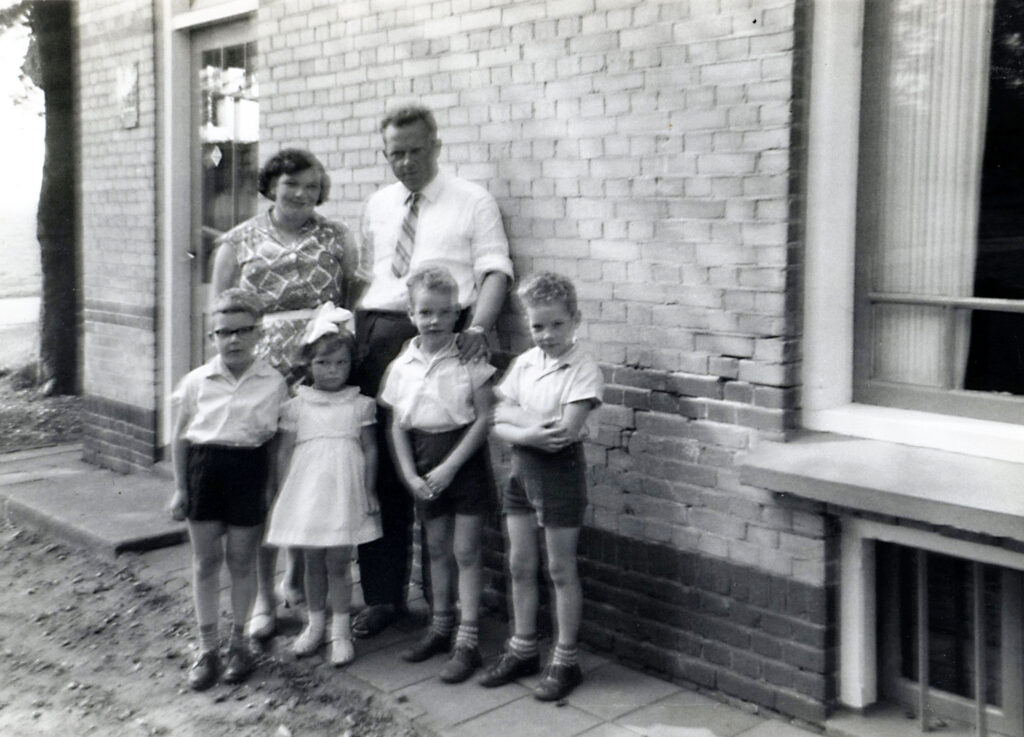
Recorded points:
(613,690)
(453,704)
(91,507)
(689,714)
(609,729)
(527,717)
(40,463)
(776,728)
(386,671)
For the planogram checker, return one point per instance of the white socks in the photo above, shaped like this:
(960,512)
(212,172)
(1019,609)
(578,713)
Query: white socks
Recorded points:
(342,650)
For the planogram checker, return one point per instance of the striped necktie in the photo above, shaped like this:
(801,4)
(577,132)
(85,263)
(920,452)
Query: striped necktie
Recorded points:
(406,237)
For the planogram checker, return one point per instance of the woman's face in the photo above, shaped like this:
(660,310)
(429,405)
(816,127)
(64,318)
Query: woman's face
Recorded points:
(295,195)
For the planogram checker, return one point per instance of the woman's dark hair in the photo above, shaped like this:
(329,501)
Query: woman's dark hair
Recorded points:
(291,161)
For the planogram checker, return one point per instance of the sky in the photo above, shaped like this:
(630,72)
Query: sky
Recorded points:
(21,150)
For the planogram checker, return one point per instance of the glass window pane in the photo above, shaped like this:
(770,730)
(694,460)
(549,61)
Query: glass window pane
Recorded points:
(229,137)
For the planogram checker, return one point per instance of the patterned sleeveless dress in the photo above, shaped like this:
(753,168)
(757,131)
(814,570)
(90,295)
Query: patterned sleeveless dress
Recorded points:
(292,279)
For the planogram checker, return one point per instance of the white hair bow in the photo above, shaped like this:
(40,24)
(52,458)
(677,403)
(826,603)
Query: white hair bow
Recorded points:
(328,320)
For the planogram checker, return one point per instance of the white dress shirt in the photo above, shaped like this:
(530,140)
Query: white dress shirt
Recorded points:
(459,227)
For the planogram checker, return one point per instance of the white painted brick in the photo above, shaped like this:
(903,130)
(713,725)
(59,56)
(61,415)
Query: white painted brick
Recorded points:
(522,12)
(646,36)
(702,29)
(558,8)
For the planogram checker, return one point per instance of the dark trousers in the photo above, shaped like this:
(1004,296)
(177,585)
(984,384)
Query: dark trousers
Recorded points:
(384,564)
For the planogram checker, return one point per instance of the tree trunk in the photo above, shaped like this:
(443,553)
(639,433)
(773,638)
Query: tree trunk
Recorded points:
(57,213)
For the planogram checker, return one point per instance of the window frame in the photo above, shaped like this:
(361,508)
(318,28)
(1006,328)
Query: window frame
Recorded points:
(833,128)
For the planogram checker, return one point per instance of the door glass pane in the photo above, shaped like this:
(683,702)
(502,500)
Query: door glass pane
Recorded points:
(229,138)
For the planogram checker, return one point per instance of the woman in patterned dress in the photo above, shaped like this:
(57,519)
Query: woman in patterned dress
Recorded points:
(295,260)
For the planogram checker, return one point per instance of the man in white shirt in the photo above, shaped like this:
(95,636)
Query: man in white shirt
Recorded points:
(426,216)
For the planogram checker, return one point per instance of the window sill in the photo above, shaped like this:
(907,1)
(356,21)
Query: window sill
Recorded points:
(997,440)
(938,487)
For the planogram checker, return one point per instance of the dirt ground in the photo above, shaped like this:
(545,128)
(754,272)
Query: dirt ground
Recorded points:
(87,648)
(30,420)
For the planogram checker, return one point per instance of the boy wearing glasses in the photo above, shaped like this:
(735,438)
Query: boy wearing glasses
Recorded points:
(225,416)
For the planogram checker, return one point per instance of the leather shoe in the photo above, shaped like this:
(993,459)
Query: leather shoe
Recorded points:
(240,665)
(508,668)
(204,671)
(463,662)
(558,682)
(430,645)
(374,619)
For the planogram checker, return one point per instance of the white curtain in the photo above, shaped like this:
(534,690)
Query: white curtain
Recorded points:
(925,97)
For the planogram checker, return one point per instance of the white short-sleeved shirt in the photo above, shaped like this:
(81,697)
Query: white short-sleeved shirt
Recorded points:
(223,410)
(433,393)
(458,227)
(543,386)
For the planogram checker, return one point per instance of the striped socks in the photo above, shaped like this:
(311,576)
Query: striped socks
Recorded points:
(567,655)
(208,639)
(468,635)
(523,647)
(442,623)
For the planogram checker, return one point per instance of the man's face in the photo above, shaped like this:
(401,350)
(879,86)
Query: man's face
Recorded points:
(412,153)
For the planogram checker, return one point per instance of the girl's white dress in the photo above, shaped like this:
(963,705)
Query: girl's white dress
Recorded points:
(324,501)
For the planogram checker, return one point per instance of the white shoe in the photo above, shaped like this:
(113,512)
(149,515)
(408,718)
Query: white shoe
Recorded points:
(308,641)
(342,652)
(261,626)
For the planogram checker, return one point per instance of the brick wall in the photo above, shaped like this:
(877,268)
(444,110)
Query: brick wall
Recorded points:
(118,234)
(649,149)
(652,152)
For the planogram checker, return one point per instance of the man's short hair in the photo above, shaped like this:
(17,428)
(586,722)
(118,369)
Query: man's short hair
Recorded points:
(236,300)
(433,278)
(408,115)
(547,287)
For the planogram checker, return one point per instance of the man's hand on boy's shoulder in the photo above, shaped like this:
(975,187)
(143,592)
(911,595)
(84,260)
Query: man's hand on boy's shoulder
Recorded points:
(472,344)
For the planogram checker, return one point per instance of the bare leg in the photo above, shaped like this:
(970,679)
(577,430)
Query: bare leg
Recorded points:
(315,577)
(339,588)
(523,561)
(339,579)
(242,546)
(263,610)
(561,545)
(293,577)
(312,635)
(207,559)
(442,562)
(466,548)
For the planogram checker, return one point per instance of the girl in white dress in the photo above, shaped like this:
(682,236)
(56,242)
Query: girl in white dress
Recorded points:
(327,458)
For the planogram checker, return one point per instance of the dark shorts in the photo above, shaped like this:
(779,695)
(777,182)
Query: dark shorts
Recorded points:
(471,492)
(227,484)
(554,485)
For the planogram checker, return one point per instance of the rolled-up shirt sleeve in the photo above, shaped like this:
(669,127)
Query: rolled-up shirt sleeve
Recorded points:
(489,244)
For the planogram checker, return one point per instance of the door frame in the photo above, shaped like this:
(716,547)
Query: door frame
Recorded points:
(177,22)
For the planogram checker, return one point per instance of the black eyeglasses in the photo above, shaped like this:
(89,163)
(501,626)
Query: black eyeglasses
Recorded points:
(228,333)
